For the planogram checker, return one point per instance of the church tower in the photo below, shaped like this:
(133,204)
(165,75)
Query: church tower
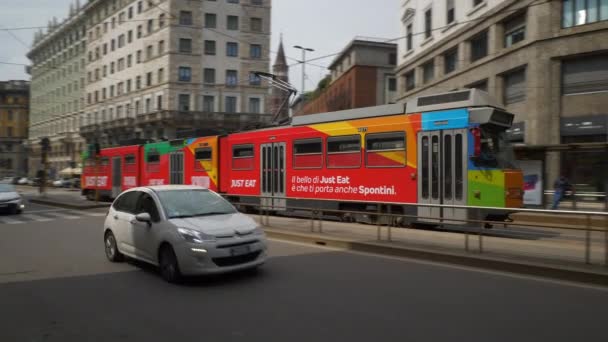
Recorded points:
(278,96)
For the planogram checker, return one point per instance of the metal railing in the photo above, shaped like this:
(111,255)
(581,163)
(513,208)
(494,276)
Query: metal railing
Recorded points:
(577,198)
(388,221)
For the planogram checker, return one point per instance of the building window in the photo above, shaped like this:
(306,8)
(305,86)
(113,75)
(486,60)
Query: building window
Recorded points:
(185,74)
(392,84)
(209,76)
(257,2)
(515,30)
(138,56)
(209,47)
(255,51)
(254,105)
(185,18)
(138,82)
(479,46)
(161,47)
(230,104)
(159,102)
(450,12)
(210,20)
(450,61)
(232,22)
(256,24)
(585,75)
(428,72)
(10,115)
(410,80)
(149,51)
(148,79)
(150,25)
(580,12)
(477,2)
(409,37)
(231,78)
(232,49)
(161,20)
(233,1)
(184,102)
(140,6)
(208,103)
(130,13)
(161,74)
(130,36)
(515,86)
(481,85)
(428,23)
(254,79)
(139,31)
(185,45)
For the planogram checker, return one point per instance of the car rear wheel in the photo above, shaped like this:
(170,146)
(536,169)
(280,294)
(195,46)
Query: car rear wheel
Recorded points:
(169,268)
(111,248)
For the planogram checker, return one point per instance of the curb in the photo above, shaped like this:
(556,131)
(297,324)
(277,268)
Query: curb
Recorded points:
(68,205)
(575,274)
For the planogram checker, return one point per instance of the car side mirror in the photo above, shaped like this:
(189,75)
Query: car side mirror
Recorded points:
(144,217)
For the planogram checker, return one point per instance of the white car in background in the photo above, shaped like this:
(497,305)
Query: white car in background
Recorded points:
(184,230)
(10,200)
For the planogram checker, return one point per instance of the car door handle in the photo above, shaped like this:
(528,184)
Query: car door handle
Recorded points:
(116,217)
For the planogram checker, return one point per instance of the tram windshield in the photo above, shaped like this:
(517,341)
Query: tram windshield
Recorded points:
(495,149)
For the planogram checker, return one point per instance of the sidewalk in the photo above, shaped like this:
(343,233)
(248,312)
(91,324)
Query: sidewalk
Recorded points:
(63,198)
(551,253)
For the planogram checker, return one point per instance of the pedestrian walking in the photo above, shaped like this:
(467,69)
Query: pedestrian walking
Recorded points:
(560,186)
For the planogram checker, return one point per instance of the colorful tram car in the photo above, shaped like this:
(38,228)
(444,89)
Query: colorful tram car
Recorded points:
(439,149)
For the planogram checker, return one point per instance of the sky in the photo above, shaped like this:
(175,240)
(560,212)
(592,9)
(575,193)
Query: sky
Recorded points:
(326,26)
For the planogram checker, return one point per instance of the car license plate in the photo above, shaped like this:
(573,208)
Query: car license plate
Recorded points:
(240,250)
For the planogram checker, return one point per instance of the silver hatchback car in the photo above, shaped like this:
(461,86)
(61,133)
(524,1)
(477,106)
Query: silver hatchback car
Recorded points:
(185,230)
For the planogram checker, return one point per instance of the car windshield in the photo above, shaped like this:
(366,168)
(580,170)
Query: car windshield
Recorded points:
(6,188)
(193,203)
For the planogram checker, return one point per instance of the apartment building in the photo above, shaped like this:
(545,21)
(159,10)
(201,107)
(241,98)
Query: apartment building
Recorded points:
(57,92)
(14,113)
(546,61)
(174,68)
(122,71)
(362,75)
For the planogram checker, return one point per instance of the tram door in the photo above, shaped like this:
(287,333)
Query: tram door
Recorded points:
(442,174)
(176,168)
(272,176)
(116,176)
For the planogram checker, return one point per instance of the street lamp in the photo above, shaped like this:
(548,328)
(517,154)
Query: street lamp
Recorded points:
(303,63)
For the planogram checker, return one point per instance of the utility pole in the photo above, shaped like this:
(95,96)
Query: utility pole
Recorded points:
(45,143)
(303,65)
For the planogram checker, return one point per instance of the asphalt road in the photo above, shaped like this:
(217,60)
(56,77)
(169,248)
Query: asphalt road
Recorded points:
(55,285)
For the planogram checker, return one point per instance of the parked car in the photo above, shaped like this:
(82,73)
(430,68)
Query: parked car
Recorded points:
(59,183)
(10,200)
(23,181)
(185,230)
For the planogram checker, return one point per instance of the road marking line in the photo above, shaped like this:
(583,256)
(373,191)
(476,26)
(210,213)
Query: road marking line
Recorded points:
(447,265)
(62,215)
(37,217)
(8,220)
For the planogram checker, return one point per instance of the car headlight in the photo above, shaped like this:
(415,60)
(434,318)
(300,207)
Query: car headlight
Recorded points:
(194,236)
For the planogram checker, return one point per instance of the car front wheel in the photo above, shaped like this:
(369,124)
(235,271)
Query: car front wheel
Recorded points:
(111,248)
(169,268)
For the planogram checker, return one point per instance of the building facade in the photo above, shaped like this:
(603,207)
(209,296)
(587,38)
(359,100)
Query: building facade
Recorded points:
(57,92)
(122,71)
(547,62)
(14,116)
(174,68)
(362,75)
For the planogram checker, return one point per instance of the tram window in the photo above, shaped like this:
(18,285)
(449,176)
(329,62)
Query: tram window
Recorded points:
(447,167)
(308,154)
(458,166)
(386,150)
(242,157)
(153,162)
(130,159)
(202,158)
(425,167)
(105,161)
(344,151)
(435,167)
